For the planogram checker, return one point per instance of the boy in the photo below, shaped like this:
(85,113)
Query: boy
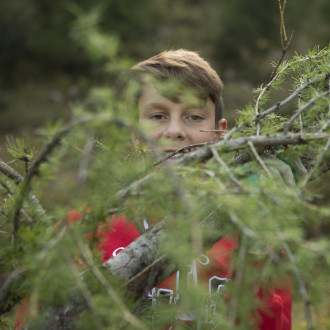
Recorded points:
(175,122)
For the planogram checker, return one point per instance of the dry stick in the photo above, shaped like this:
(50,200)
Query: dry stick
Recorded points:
(301,110)
(318,162)
(282,29)
(302,286)
(223,164)
(258,158)
(126,314)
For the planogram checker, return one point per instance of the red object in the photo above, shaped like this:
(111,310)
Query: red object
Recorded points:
(118,233)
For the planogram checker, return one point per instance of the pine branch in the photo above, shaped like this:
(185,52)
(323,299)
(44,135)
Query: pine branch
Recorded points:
(301,110)
(17,178)
(275,107)
(258,141)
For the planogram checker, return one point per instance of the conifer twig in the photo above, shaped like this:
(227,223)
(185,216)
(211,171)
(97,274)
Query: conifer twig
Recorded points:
(272,78)
(126,314)
(318,162)
(301,283)
(258,141)
(85,160)
(17,178)
(259,160)
(223,164)
(273,108)
(301,110)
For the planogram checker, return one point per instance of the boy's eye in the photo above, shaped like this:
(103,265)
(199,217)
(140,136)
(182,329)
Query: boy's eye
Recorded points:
(157,117)
(195,117)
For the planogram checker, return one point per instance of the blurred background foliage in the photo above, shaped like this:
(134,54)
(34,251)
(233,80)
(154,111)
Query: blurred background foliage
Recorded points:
(44,68)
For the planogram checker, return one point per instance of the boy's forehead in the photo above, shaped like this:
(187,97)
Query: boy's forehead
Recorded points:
(152,93)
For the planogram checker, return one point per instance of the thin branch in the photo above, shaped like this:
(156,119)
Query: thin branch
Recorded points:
(10,172)
(259,160)
(34,170)
(6,289)
(273,76)
(273,108)
(318,162)
(258,141)
(301,283)
(31,220)
(287,100)
(126,314)
(85,160)
(238,280)
(245,230)
(301,110)
(17,178)
(151,280)
(223,164)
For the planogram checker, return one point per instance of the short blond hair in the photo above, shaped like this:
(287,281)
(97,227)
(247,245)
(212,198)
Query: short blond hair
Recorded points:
(189,66)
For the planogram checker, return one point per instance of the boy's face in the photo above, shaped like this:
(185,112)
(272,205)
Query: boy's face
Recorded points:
(174,125)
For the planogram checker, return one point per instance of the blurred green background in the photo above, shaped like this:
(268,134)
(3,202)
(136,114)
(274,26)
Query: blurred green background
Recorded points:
(44,70)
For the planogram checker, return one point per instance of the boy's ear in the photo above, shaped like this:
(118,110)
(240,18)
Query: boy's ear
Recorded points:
(221,126)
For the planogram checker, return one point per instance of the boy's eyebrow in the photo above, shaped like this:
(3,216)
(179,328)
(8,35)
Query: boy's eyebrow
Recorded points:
(162,106)
(155,105)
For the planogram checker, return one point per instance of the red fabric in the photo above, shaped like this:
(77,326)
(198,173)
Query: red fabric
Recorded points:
(119,233)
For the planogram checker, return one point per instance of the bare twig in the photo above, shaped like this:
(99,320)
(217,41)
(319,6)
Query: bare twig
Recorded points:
(282,29)
(301,110)
(259,160)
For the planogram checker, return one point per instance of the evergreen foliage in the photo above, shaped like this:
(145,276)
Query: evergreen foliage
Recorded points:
(243,185)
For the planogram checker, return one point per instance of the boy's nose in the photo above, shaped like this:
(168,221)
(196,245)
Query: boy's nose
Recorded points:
(174,130)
